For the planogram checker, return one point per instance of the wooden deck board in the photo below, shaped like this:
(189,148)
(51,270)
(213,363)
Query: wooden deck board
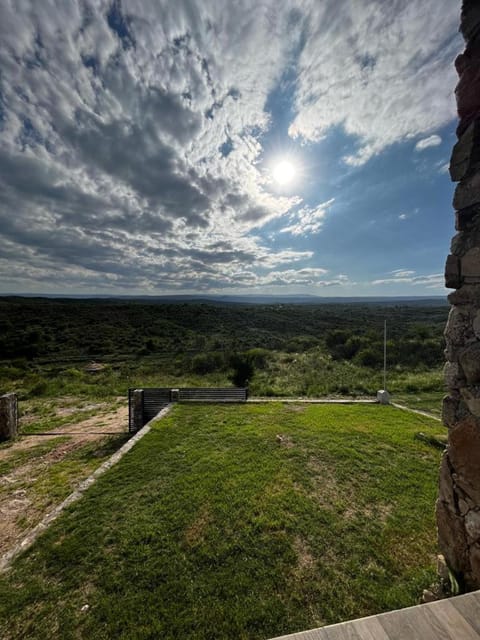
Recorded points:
(452,619)
(470,610)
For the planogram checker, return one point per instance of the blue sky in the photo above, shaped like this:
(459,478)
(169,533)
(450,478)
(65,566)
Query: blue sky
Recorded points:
(140,145)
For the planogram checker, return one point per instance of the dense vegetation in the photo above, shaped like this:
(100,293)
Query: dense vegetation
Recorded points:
(212,528)
(282,349)
(62,329)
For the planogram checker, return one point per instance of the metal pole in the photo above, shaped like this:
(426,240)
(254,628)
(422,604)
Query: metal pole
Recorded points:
(385,355)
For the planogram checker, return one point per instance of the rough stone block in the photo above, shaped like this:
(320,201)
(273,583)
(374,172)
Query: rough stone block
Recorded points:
(458,330)
(465,157)
(468,294)
(449,410)
(472,579)
(467,502)
(454,410)
(451,538)
(471,396)
(470,20)
(469,359)
(467,192)
(446,488)
(461,63)
(458,246)
(464,241)
(468,88)
(464,456)
(453,374)
(470,266)
(472,526)
(467,218)
(8,416)
(463,507)
(476,324)
(452,272)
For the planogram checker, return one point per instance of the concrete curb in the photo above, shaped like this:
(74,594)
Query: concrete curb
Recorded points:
(9,556)
(417,411)
(259,400)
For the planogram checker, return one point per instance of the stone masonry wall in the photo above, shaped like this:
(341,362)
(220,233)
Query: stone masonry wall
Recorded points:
(458,505)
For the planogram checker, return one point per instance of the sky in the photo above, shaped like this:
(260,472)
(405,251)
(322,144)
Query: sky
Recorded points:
(226,147)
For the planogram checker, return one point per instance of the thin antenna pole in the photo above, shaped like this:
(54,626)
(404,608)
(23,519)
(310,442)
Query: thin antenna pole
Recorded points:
(385,355)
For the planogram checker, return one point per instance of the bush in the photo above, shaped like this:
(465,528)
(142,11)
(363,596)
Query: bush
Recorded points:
(74,373)
(204,363)
(243,369)
(300,344)
(258,357)
(369,357)
(38,389)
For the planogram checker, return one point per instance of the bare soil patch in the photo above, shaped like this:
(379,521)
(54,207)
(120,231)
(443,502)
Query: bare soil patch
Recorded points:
(195,532)
(32,461)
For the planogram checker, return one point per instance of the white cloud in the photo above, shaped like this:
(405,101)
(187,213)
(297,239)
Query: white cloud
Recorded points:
(426,143)
(110,152)
(379,73)
(402,273)
(443,167)
(307,220)
(399,276)
(131,142)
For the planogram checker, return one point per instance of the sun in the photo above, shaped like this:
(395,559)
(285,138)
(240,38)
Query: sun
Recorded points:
(284,172)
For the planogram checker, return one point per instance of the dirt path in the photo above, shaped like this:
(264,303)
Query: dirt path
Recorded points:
(38,471)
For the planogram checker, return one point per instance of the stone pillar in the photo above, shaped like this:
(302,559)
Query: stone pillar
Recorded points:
(458,505)
(137,407)
(8,416)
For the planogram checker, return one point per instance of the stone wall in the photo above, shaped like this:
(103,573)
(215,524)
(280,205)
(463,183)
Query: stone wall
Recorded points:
(458,506)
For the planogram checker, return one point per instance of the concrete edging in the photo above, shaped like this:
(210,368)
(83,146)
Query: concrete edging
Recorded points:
(9,556)
(417,411)
(265,400)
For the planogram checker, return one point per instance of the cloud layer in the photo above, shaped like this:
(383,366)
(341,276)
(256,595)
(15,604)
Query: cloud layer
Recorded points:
(131,133)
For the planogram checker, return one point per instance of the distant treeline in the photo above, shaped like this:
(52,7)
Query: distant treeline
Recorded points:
(38,328)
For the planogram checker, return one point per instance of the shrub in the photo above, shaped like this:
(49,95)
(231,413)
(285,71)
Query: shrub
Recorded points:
(243,369)
(369,357)
(258,357)
(38,389)
(204,363)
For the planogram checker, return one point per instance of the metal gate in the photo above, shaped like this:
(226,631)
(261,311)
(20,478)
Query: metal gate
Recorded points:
(154,400)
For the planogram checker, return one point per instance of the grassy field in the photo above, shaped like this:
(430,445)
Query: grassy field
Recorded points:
(282,374)
(213,528)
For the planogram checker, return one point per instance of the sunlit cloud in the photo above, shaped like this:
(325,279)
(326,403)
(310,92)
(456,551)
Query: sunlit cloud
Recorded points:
(307,221)
(367,86)
(134,153)
(426,143)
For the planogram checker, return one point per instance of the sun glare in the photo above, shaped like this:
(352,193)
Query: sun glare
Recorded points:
(284,172)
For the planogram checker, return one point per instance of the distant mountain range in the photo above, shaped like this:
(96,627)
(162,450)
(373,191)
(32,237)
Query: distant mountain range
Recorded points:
(251,299)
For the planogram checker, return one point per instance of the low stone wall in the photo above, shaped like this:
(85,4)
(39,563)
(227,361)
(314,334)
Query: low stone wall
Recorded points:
(458,506)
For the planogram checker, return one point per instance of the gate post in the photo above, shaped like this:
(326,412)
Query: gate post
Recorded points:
(8,416)
(137,407)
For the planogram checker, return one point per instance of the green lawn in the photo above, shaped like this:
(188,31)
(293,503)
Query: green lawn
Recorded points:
(211,528)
